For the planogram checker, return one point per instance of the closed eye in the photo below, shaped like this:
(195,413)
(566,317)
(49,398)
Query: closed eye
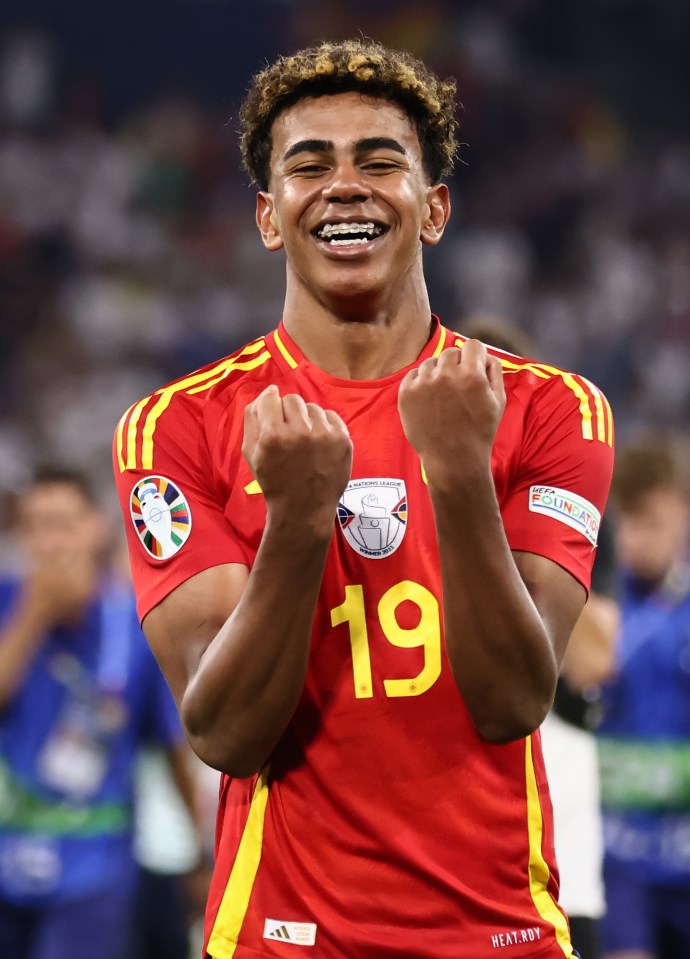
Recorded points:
(310,168)
(381,166)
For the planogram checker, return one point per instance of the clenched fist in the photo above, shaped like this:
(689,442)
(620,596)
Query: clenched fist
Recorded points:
(450,407)
(300,454)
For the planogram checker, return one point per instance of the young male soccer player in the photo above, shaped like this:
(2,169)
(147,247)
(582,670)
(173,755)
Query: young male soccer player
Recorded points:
(358,562)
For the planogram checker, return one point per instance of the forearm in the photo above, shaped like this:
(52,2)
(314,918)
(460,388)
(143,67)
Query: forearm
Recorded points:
(19,641)
(590,657)
(497,644)
(251,676)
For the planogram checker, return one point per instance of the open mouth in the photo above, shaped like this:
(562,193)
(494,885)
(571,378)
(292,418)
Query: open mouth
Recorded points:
(349,234)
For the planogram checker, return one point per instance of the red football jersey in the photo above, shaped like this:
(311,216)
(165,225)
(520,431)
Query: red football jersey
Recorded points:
(382,825)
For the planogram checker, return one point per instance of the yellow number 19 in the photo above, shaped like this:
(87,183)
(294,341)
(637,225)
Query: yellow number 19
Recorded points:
(426,635)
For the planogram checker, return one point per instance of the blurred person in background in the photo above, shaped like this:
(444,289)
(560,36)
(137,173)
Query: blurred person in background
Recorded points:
(80,693)
(645,734)
(568,742)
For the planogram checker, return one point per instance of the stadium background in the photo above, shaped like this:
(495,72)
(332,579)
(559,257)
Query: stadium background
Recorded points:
(128,253)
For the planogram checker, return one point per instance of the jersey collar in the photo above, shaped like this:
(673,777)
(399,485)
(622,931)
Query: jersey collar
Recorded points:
(289,356)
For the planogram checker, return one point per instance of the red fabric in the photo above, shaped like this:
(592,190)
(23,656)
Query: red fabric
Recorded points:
(390,823)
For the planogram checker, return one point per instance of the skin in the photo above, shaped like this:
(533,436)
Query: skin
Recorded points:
(361,312)
(591,654)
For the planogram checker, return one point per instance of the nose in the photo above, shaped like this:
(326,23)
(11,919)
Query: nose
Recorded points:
(346,185)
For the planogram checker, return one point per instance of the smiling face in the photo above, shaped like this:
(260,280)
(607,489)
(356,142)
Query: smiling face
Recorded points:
(349,199)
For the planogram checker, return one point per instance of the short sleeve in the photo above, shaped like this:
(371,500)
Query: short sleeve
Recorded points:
(171,505)
(556,501)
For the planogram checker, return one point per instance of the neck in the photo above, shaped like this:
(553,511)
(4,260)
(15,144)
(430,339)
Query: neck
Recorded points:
(359,338)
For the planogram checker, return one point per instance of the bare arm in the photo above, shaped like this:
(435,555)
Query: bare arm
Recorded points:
(508,624)
(235,646)
(590,657)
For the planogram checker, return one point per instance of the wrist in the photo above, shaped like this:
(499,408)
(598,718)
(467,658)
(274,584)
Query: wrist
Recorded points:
(445,476)
(298,528)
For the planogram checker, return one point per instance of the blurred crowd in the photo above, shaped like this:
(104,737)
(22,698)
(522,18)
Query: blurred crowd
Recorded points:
(128,253)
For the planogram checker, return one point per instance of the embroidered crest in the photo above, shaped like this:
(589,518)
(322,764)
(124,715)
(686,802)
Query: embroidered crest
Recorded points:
(373,516)
(161,516)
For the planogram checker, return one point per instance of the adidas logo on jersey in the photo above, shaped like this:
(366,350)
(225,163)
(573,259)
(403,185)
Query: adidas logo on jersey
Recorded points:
(298,933)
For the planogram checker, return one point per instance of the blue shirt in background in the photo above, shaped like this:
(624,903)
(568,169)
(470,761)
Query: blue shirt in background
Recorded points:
(644,739)
(68,740)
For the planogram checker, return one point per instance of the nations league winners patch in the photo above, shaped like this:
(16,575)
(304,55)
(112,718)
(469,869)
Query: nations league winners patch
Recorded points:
(568,508)
(160,515)
(373,516)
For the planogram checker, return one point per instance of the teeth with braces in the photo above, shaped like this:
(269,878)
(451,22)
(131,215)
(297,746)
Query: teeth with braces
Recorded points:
(354,241)
(333,232)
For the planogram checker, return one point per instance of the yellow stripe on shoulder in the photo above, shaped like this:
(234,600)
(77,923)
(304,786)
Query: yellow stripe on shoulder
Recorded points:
(604,414)
(235,902)
(580,387)
(119,438)
(539,872)
(250,357)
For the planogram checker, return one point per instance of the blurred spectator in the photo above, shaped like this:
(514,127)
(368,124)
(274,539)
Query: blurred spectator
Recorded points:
(645,736)
(174,865)
(80,693)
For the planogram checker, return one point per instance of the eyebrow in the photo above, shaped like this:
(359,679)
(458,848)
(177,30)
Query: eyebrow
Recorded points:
(361,146)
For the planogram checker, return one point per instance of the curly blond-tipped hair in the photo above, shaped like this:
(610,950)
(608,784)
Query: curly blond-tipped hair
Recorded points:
(351,65)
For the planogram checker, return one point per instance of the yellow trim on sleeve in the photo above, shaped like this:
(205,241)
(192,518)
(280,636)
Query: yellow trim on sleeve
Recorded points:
(604,414)
(195,383)
(165,397)
(238,365)
(538,869)
(546,372)
(610,429)
(289,359)
(119,438)
(132,433)
(235,902)
(581,394)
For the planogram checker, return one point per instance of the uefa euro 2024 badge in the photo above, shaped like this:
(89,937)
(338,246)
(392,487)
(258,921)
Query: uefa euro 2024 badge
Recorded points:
(161,516)
(373,516)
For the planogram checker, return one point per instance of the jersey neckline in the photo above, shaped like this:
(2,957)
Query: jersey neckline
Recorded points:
(289,357)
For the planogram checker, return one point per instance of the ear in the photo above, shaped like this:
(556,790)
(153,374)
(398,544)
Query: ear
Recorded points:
(267,222)
(437,214)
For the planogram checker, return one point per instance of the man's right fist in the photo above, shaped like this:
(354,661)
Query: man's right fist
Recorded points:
(300,454)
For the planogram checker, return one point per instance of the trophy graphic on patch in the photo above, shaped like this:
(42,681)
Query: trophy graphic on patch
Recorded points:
(373,516)
(160,515)
(374,523)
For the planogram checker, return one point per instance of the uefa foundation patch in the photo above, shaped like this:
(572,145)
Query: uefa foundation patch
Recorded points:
(161,516)
(569,508)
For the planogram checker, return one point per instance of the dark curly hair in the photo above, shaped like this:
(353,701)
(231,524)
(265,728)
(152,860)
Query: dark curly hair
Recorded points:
(361,66)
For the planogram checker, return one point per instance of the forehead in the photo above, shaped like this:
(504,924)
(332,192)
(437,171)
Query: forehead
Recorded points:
(53,497)
(343,119)
(663,503)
